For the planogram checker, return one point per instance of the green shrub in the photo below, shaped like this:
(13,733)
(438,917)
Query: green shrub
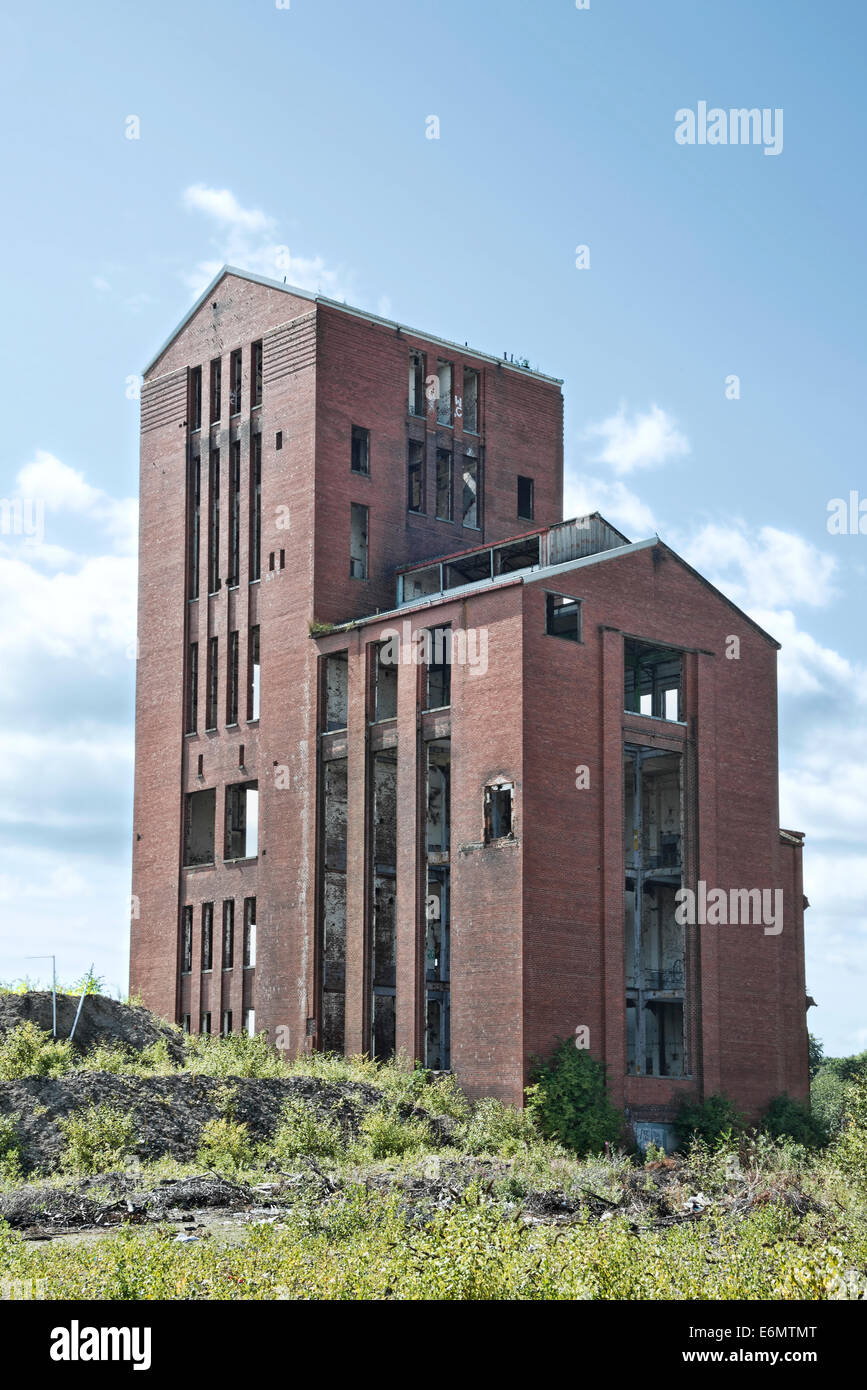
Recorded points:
(568,1100)
(301,1131)
(828,1099)
(27,1051)
(236,1054)
(98,1138)
(714,1121)
(10,1152)
(386,1135)
(496,1128)
(225,1145)
(850,1150)
(789,1118)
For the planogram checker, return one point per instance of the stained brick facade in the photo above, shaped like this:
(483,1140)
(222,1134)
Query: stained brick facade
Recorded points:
(389,913)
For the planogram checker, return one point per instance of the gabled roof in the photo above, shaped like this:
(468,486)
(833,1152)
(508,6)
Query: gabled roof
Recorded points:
(460,348)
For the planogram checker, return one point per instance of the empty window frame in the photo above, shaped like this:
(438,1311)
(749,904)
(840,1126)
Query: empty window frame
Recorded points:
(444,392)
(653,680)
(186,940)
(242,820)
(438,653)
(499,810)
(214,527)
(205,1024)
(195,407)
(563,617)
(185,1023)
(278,440)
(199,812)
(207,936)
(254,678)
(525,498)
(335,693)
(234,576)
(416,383)
(438,793)
(216,389)
(383,924)
(470,493)
(226,1022)
(471,401)
(213,683)
(193,688)
(360,450)
(249,933)
(256,373)
(385,682)
(248,1024)
(332,890)
(256,507)
(194,493)
(228,933)
(235,382)
(358,520)
(444,485)
(415,476)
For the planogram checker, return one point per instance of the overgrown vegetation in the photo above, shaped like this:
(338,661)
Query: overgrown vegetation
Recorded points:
(568,1100)
(98,1138)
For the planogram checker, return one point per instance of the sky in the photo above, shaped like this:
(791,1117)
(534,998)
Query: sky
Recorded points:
(501,172)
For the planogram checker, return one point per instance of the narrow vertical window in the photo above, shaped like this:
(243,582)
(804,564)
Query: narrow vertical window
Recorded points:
(416,383)
(254,675)
(525,499)
(228,933)
(249,1024)
(194,492)
(415,476)
(213,683)
(207,936)
(235,382)
(470,504)
(444,484)
(232,682)
(214,528)
(256,373)
(358,541)
(360,450)
(205,1024)
(444,393)
(193,689)
(216,389)
(256,508)
(249,933)
(195,410)
(234,513)
(226,1025)
(471,401)
(187,941)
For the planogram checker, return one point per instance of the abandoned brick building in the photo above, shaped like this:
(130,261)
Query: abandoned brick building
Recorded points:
(420,766)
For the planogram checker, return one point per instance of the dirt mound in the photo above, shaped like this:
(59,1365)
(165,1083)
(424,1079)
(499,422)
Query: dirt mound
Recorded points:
(102,1020)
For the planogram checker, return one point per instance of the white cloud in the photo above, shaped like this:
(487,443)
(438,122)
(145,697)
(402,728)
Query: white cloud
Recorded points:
(583,494)
(766,567)
(647,440)
(222,205)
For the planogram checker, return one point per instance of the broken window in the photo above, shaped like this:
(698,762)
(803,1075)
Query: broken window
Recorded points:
(444,484)
(214,529)
(232,680)
(471,400)
(253,675)
(444,392)
(525,498)
(249,933)
(383,932)
(205,1023)
(185,1023)
(199,812)
(498,811)
(193,688)
(470,499)
(256,507)
(234,576)
(358,541)
(196,398)
(248,1025)
(242,820)
(187,941)
(415,476)
(207,936)
(235,382)
(226,1024)
(653,680)
(438,796)
(211,715)
(256,373)
(333,906)
(385,683)
(216,389)
(416,383)
(336,691)
(194,493)
(437,1041)
(563,617)
(438,643)
(360,450)
(228,933)
(654,939)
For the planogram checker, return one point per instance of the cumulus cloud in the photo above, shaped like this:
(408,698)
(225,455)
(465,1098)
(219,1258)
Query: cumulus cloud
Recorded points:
(763,566)
(647,440)
(583,494)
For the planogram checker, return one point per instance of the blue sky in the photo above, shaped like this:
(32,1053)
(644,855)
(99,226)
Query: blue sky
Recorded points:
(305,128)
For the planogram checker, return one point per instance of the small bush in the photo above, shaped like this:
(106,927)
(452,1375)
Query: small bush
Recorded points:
(788,1118)
(386,1135)
(237,1054)
(828,1099)
(225,1145)
(98,1138)
(495,1128)
(714,1121)
(568,1100)
(27,1051)
(301,1131)
(10,1152)
(850,1150)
